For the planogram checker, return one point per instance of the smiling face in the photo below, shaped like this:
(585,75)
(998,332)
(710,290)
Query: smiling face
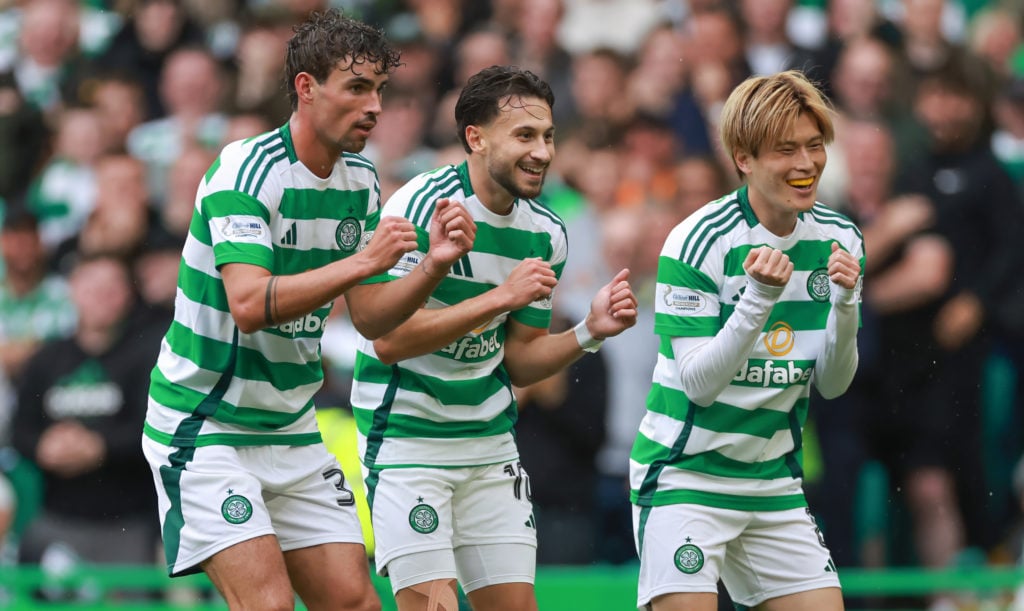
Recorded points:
(345,106)
(516,149)
(783,177)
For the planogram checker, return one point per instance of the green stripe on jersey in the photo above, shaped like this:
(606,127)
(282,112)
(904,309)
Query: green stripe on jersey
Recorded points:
(311,204)
(729,501)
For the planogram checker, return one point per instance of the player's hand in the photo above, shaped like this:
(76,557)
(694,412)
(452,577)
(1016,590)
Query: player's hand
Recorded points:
(393,237)
(452,232)
(531,280)
(843,267)
(768,266)
(613,309)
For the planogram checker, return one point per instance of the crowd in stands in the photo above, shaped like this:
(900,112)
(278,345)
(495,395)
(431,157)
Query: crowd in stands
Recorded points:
(111,112)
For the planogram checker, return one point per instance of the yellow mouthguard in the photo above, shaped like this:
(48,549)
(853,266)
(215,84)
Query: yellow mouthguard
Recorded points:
(802,182)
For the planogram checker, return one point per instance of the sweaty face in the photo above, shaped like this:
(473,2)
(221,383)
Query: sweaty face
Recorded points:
(783,178)
(520,144)
(346,105)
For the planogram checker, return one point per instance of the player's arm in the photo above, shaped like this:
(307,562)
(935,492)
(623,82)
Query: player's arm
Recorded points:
(259,299)
(532,354)
(707,366)
(377,309)
(429,330)
(837,363)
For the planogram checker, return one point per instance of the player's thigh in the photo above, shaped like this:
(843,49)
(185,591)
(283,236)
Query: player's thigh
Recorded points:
(410,571)
(688,601)
(209,501)
(780,553)
(251,575)
(309,500)
(412,514)
(504,597)
(822,599)
(332,576)
(682,549)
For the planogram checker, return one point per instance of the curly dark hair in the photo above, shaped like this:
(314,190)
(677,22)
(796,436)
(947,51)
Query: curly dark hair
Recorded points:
(487,92)
(329,37)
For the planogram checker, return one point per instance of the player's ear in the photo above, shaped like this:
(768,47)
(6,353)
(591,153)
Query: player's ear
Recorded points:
(742,159)
(475,138)
(305,85)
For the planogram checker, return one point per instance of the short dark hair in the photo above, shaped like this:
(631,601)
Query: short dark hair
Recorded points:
(329,37)
(487,91)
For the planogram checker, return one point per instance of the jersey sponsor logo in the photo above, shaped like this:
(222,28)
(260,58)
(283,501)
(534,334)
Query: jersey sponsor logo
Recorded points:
(771,373)
(689,558)
(779,339)
(818,285)
(407,263)
(469,347)
(684,301)
(348,233)
(242,228)
(423,518)
(310,323)
(236,509)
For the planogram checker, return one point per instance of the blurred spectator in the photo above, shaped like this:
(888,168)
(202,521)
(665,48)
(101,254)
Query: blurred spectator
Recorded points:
(701,180)
(622,233)
(191,88)
(245,125)
(995,35)
(119,102)
(848,21)
(121,218)
(649,153)
(34,304)
(561,425)
(180,198)
(397,144)
(422,59)
(8,504)
(978,211)
(47,64)
(152,31)
(64,192)
(870,82)
(601,112)
(911,268)
(81,405)
(768,47)
(714,48)
(926,46)
(1008,136)
(535,47)
(258,79)
(23,138)
(621,25)
(155,277)
(659,74)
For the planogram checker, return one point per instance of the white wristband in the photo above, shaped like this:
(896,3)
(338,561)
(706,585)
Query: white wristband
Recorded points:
(585,339)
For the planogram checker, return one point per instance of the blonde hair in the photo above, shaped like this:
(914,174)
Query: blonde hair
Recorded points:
(762,109)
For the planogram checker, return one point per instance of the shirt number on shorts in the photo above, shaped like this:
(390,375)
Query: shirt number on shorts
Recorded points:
(522,481)
(345,498)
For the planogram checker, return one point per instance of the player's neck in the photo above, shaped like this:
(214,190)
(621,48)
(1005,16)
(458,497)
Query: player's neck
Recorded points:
(492,195)
(311,151)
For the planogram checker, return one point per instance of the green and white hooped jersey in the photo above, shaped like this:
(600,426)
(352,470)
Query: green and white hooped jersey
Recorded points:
(744,450)
(259,205)
(454,407)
